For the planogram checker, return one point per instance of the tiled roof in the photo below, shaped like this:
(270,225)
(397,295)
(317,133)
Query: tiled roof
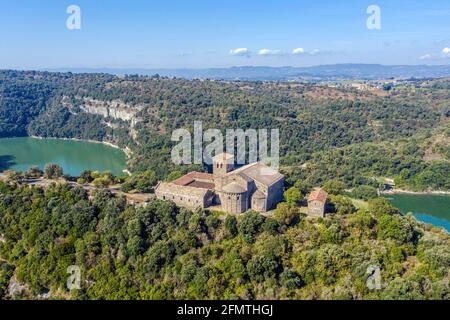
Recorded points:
(202,185)
(192,177)
(234,187)
(201,175)
(183,181)
(262,173)
(318,195)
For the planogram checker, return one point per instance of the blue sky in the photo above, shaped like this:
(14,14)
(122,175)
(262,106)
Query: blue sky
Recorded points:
(202,33)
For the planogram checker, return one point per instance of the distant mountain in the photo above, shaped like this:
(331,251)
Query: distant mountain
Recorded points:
(314,73)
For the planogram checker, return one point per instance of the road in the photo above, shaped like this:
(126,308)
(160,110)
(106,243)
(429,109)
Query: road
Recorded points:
(132,198)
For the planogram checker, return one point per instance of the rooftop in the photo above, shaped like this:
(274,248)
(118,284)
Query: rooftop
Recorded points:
(262,173)
(318,195)
(196,180)
(234,187)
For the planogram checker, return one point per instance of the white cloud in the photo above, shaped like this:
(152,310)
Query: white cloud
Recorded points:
(315,51)
(426,57)
(446,52)
(298,51)
(269,52)
(242,52)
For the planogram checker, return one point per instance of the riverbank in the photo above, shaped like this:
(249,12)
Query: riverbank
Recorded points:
(73,155)
(125,150)
(423,193)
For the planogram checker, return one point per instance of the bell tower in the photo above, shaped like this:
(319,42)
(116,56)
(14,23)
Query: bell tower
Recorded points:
(223,163)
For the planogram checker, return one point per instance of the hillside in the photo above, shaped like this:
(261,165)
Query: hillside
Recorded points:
(163,252)
(316,121)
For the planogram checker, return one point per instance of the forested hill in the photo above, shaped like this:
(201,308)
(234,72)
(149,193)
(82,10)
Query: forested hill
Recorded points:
(163,252)
(319,123)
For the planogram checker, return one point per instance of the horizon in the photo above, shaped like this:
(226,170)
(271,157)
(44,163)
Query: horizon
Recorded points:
(212,35)
(69,68)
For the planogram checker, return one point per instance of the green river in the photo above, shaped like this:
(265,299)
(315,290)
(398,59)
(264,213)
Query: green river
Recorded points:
(432,209)
(74,156)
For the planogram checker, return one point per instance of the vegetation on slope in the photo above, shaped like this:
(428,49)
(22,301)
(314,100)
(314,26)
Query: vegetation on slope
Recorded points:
(163,252)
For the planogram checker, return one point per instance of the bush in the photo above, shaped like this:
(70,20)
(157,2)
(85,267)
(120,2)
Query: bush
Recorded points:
(293,195)
(53,171)
(249,225)
(334,187)
(365,193)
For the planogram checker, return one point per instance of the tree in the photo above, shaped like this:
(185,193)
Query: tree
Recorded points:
(342,205)
(53,171)
(304,187)
(249,225)
(287,214)
(231,226)
(34,173)
(260,268)
(395,227)
(381,206)
(334,187)
(293,195)
(290,279)
(365,193)
(174,175)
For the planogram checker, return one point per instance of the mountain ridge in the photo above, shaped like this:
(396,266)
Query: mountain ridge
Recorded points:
(346,71)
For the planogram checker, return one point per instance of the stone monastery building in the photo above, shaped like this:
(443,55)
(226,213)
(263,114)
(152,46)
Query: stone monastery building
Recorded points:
(255,186)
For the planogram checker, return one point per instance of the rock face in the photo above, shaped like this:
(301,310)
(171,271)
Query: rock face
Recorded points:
(15,288)
(115,109)
(110,110)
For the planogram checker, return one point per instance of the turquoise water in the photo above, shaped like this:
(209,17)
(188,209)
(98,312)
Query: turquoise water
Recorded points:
(432,209)
(73,156)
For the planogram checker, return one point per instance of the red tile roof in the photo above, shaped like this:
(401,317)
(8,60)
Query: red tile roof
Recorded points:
(202,185)
(318,195)
(183,181)
(200,175)
(197,180)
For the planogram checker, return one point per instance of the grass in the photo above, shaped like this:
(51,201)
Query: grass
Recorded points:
(360,204)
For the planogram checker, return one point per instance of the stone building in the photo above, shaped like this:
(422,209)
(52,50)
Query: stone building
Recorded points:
(317,201)
(255,186)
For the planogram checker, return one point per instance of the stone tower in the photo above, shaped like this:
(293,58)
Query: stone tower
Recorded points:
(223,163)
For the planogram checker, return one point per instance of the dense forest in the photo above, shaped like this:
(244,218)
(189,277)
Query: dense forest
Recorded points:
(164,252)
(336,132)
